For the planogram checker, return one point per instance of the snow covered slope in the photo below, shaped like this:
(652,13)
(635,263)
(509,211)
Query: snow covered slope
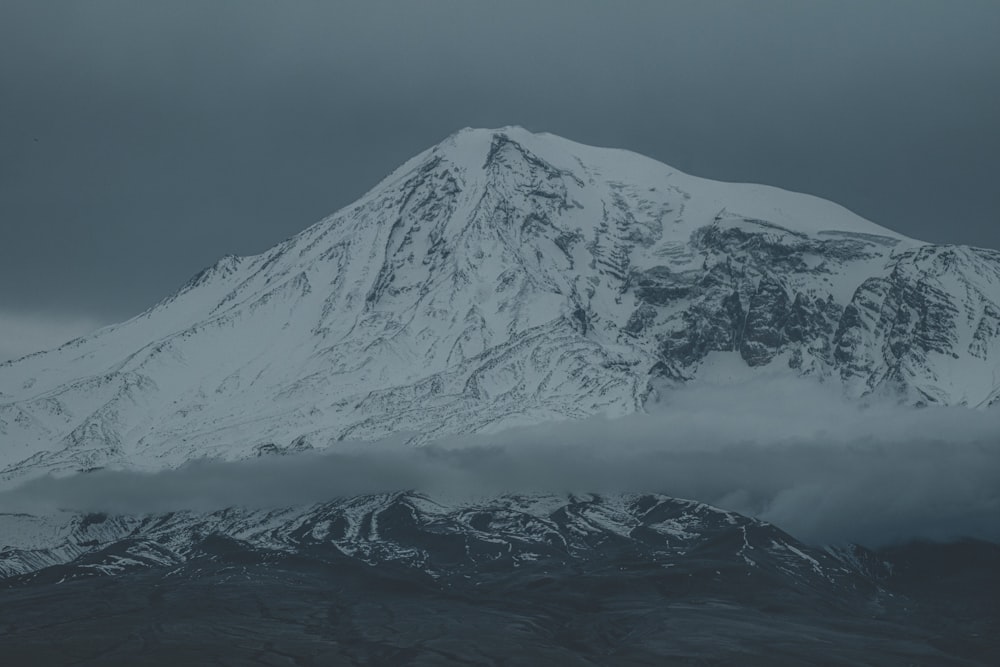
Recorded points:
(504,278)
(436,536)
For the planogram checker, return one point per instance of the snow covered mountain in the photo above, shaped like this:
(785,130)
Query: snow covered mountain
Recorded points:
(404,578)
(504,278)
(417,532)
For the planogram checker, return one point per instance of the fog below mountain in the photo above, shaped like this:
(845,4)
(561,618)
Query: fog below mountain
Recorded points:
(787,451)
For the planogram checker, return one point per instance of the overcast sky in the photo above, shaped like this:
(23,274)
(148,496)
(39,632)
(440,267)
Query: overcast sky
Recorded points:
(139,142)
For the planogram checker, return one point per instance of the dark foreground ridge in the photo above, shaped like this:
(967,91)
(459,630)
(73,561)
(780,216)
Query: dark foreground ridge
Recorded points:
(401,579)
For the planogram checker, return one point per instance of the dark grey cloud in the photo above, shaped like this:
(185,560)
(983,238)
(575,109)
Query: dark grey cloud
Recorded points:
(141,141)
(790,452)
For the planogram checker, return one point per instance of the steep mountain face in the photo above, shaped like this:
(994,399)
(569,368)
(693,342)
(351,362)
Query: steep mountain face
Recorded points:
(505,278)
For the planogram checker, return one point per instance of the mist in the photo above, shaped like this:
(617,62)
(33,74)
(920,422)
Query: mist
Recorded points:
(794,453)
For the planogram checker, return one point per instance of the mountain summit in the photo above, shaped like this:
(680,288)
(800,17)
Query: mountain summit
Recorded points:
(505,278)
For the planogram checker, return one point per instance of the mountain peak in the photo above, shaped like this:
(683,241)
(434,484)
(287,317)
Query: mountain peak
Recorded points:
(469,151)
(504,278)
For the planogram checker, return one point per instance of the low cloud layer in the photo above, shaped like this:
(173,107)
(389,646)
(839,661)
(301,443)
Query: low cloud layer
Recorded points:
(792,453)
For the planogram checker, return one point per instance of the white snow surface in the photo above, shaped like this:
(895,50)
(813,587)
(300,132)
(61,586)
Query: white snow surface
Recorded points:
(486,283)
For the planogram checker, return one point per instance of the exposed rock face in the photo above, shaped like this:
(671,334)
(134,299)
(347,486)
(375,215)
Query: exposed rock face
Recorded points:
(402,578)
(418,532)
(505,278)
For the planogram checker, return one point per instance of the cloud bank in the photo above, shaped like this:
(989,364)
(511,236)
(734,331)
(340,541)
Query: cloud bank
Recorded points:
(789,452)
